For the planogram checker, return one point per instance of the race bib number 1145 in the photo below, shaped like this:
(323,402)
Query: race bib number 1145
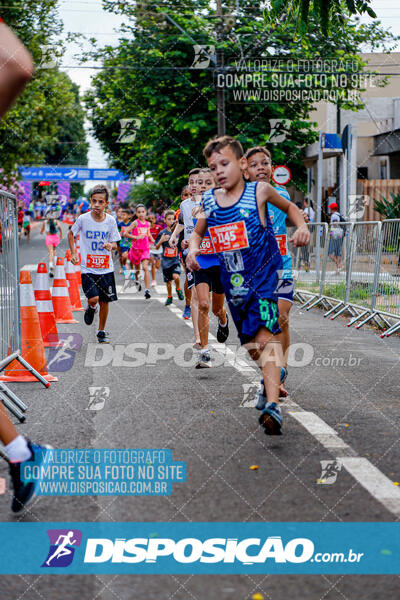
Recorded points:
(228,237)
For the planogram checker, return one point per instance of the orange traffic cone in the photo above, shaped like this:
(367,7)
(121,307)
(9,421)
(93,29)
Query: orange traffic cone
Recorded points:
(32,348)
(73,288)
(61,302)
(44,307)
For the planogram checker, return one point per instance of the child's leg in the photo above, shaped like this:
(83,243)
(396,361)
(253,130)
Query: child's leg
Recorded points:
(218,307)
(203,297)
(145,267)
(284,307)
(153,268)
(93,301)
(188,293)
(195,314)
(104,307)
(177,281)
(169,288)
(8,433)
(266,351)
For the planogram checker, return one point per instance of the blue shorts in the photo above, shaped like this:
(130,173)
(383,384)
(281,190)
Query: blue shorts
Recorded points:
(284,289)
(257,313)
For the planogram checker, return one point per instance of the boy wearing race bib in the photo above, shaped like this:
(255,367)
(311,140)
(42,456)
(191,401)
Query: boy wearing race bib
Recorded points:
(236,215)
(208,279)
(98,238)
(171,265)
(259,169)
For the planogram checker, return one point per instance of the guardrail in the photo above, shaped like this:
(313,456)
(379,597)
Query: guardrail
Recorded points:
(352,268)
(10,336)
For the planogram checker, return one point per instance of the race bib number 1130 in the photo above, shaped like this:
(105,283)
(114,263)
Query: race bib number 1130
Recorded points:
(98,261)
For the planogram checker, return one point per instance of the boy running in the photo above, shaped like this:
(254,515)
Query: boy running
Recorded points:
(259,169)
(208,279)
(98,238)
(185,224)
(170,260)
(237,217)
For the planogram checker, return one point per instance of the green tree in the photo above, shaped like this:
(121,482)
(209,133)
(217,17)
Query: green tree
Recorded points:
(329,13)
(70,147)
(148,78)
(48,108)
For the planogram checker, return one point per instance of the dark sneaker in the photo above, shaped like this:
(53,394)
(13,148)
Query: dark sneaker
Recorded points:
(89,315)
(223,331)
(260,399)
(271,419)
(180,295)
(103,337)
(204,360)
(147,294)
(187,313)
(24,492)
(51,272)
(168,301)
(138,285)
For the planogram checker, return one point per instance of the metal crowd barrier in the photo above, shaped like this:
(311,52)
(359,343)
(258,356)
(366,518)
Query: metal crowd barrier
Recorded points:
(359,272)
(10,336)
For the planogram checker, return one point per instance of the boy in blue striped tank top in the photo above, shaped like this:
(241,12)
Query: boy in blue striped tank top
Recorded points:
(236,215)
(259,168)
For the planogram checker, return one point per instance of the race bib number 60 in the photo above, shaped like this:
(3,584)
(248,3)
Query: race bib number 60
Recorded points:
(231,236)
(98,261)
(206,246)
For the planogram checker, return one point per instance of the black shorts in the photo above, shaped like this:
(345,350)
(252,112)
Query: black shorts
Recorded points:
(168,273)
(211,277)
(101,285)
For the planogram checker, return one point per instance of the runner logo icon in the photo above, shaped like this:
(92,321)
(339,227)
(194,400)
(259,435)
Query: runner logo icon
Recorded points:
(62,547)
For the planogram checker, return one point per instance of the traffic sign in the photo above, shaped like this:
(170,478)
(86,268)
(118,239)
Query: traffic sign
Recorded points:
(281,175)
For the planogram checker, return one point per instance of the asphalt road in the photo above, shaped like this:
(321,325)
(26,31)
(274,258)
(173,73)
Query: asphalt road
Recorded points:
(342,379)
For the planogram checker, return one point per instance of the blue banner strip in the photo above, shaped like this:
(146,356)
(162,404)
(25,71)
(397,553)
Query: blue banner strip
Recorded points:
(200,548)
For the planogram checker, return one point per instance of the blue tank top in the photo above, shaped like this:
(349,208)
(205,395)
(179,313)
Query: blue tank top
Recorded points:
(278,220)
(251,271)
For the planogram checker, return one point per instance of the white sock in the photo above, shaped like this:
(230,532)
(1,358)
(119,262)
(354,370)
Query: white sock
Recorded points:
(204,350)
(51,264)
(18,450)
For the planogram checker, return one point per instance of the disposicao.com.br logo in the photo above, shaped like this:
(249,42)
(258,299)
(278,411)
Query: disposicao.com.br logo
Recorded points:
(190,550)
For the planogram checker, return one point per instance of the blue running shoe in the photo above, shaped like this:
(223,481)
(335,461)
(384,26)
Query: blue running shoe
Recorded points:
(283,374)
(24,492)
(271,419)
(124,271)
(260,399)
(187,313)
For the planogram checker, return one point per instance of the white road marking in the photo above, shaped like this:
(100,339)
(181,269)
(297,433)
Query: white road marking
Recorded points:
(380,487)
(374,481)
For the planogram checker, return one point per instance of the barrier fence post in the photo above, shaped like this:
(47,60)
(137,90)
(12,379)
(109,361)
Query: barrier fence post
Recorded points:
(10,322)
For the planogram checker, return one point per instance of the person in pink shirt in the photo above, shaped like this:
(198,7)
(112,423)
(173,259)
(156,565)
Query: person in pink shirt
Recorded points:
(139,253)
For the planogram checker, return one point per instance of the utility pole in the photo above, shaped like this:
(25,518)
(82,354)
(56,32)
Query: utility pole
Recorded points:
(220,69)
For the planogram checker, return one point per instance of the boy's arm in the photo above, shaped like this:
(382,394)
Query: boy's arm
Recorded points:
(194,244)
(266,193)
(178,229)
(71,242)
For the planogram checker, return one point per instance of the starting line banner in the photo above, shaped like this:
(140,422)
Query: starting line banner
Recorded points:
(54,173)
(200,548)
